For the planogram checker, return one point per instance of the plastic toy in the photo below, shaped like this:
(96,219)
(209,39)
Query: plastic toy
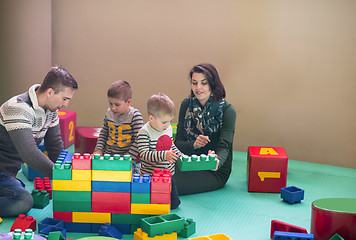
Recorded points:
(115,163)
(62,171)
(27,234)
(108,230)
(150,209)
(159,225)
(219,236)
(70,201)
(336,237)
(141,184)
(56,235)
(285,227)
(50,222)
(112,202)
(50,229)
(141,235)
(0,219)
(292,236)
(23,223)
(43,185)
(67,124)
(195,163)
(105,186)
(189,228)
(266,169)
(292,194)
(40,198)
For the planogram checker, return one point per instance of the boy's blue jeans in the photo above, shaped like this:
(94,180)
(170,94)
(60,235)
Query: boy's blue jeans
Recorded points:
(14,198)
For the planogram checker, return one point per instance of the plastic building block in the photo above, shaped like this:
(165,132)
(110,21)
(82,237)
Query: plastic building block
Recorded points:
(50,222)
(161,181)
(40,198)
(189,228)
(79,174)
(333,215)
(67,124)
(144,198)
(108,230)
(141,184)
(62,171)
(111,202)
(91,217)
(71,185)
(195,163)
(152,209)
(43,185)
(0,219)
(65,156)
(336,237)
(27,234)
(174,131)
(104,186)
(292,194)
(78,227)
(158,225)
(81,161)
(285,227)
(23,223)
(56,235)
(219,236)
(72,201)
(141,235)
(111,176)
(49,229)
(292,236)
(123,228)
(133,219)
(65,216)
(266,169)
(115,163)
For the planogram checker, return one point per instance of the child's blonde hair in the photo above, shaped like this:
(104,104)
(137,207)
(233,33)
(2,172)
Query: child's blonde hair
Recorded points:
(159,104)
(120,90)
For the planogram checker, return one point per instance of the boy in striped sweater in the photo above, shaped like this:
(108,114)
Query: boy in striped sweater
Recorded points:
(155,141)
(121,124)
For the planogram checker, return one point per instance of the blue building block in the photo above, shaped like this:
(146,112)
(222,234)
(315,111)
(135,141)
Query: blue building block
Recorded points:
(123,228)
(292,236)
(49,229)
(141,184)
(108,230)
(50,222)
(78,227)
(65,156)
(292,194)
(100,186)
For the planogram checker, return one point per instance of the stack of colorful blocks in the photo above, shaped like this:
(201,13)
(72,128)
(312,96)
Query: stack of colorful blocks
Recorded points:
(88,193)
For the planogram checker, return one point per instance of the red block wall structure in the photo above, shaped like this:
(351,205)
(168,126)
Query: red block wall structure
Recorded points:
(266,169)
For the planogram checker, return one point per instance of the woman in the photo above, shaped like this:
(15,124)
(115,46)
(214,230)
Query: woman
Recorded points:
(206,124)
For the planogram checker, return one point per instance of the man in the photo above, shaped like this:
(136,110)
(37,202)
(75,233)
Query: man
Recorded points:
(25,120)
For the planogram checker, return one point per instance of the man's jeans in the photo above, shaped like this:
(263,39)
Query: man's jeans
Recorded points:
(14,198)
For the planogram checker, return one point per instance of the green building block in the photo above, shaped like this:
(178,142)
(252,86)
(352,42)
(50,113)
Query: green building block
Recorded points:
(57,235)
(115,163)
(28,234)
(71,201)
(189,228)
(62,171)
(123,218)
(141,198)
(159,225)
(40,198)
(336,237)
(195,163)
(174,130)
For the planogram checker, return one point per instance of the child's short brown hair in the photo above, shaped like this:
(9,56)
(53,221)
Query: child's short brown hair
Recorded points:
(159,104)
(121,90)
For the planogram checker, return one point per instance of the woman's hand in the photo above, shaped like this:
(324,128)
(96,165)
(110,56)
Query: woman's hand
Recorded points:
(201,141)
(217,159)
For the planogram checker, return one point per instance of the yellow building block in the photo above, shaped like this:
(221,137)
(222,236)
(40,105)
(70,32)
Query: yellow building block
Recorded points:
(154,209)
(111,176)
(79,174)
(91,217)
(71,185)
(219,236)
(141,235)
(0,219)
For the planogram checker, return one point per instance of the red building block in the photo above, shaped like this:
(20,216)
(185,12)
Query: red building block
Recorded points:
(23,223)
(111,202)
(160,198)
(266,169)
(67,124)
(65,216)
(85,139)
(161,181)
(81,162)
(43,185)
(285,227)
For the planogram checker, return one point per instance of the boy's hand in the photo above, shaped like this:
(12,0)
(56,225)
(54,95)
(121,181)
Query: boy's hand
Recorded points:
(201,141)
(97,152)
(171,156)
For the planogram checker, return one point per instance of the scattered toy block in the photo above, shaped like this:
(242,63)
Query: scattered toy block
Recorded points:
(40,198)
(0,219)
(47,222)
(23,223)
(266,169)
(189,228)
(219,236)
(49,229)
(292,236)
(82,162)
(27,234)
(285,227)
(197,163)
(158,225)
(115,163)
(336,237)
(292,194)
(56,235)
(108,230)
(43,185)
(141,184)
(67,124)
(141,235)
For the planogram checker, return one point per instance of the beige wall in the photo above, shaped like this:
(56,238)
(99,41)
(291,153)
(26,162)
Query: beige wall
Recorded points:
(288,66)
